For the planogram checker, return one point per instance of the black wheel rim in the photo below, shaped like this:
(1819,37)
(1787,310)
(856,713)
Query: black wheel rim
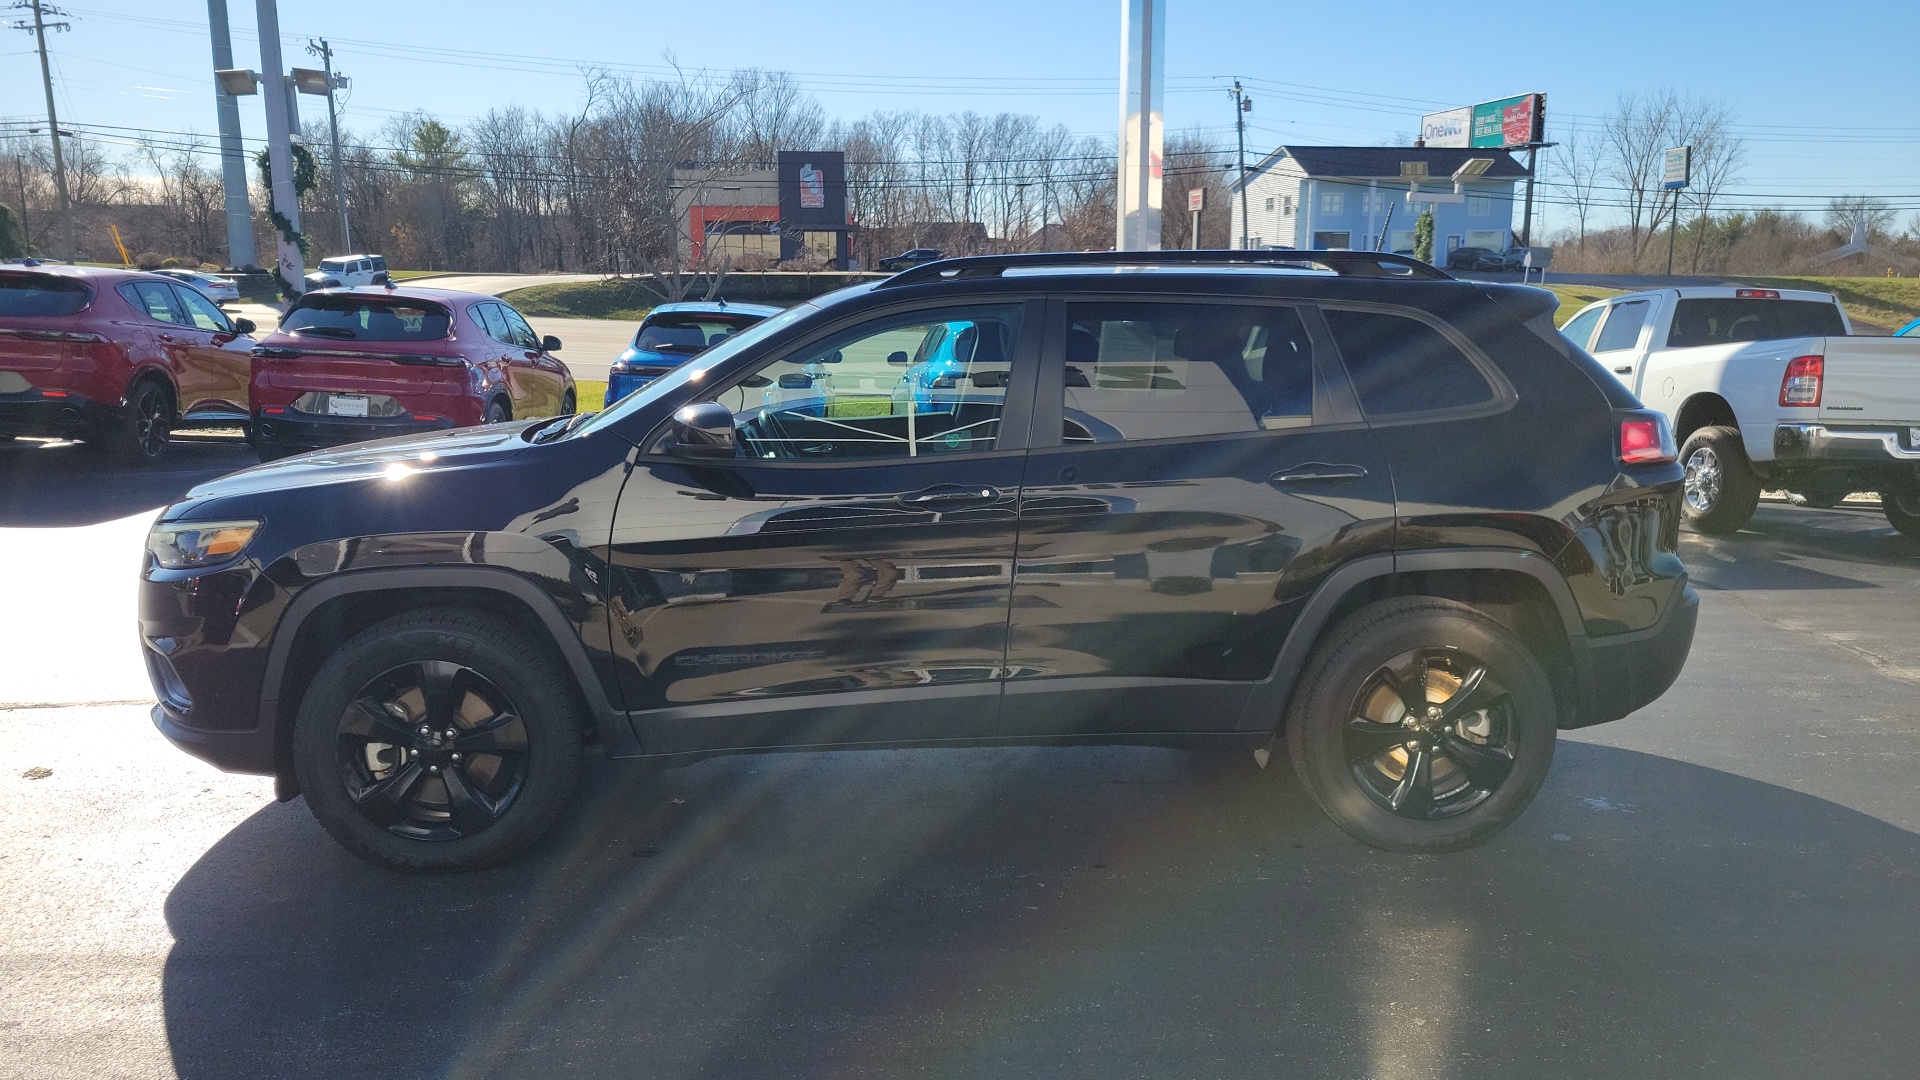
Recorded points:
(432,750)
(1431,734)
(150,422)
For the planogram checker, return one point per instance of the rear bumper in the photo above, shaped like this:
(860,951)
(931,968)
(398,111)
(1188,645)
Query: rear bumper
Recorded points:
(35,415)
(619,386)
(1626,672)
(1804,443)
(305,431)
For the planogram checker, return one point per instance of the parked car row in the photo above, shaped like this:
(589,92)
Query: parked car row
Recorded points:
(120,358)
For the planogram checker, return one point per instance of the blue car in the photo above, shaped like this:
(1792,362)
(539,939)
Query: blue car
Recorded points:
(1912,329)
(672,334)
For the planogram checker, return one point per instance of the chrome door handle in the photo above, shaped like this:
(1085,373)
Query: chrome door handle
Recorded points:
(1623,371)
(949,495)
(1317,471)
(168,337)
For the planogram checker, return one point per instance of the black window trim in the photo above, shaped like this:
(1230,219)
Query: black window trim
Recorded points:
(183,290)
(1504,396)
(1015,420)
(1333,396)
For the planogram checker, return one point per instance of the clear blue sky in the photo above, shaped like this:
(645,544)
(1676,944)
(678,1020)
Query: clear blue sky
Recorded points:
(1827,95)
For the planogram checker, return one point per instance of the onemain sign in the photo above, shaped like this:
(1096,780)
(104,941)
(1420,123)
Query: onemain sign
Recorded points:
(1500,125)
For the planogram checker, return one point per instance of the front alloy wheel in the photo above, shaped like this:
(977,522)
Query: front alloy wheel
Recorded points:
(432,750)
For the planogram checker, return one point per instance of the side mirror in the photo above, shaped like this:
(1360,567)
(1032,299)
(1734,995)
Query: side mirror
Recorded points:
(703,431)
(244,326)
(898,356)
(550,343)
(796,380)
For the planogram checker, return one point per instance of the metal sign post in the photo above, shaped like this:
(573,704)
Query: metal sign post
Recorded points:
(1676,173)
(1196,201)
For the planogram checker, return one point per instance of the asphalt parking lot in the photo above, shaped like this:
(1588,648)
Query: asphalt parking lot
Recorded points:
(1720,885)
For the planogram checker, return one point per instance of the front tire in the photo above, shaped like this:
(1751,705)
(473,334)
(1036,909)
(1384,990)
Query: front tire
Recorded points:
(1902,507)
(1422,725)
(1720,491)
(438,741)
(497,412)
(569,404)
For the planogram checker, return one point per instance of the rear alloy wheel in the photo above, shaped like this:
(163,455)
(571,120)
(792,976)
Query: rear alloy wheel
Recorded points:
(497,412)
(1720,490)
(138,436)
(1902,507)
(1422,725)
(438,740)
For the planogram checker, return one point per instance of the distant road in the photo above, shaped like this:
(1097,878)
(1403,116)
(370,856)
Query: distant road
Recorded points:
(495,284)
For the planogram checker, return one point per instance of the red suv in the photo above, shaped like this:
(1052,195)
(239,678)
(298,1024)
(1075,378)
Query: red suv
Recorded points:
(353,364)
(115,357)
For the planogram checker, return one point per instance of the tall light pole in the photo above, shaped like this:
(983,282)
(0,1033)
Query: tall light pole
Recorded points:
(1242,105)
(290,263)
(1143,27)
(40,26)
(324,51)
(233,157)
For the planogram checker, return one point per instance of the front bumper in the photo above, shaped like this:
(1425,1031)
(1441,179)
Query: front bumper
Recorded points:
(250,751)
(1626,672)
(33,414)
(307,431)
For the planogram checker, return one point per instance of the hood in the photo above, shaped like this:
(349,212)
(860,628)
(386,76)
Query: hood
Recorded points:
(368,461)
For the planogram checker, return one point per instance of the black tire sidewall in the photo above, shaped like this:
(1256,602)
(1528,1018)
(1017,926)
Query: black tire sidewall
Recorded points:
(533,682)
(1897,516)
(1739,484)
(496,406)
(122,436)
(1318,714)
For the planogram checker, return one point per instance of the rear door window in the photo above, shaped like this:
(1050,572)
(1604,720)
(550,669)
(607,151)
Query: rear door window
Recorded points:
(1401,366)
(41,294)
(367,318)
(1725,321)
(1622,330)
(155,299)
(1137,372)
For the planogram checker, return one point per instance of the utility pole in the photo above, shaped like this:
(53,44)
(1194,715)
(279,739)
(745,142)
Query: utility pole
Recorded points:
(1242,105)
(40,26)
(1143,50)
(233,156)
(324,51)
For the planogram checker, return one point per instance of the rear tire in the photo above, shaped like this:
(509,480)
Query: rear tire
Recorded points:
(1721,490)
(1422,725)
(1902,508)
(438,741)
(138,434)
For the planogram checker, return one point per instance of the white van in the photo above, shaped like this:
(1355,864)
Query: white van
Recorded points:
(347,271)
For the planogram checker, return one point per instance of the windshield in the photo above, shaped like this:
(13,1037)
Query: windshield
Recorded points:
(697,368)
(367,318)
(690,333)
(333,264)
(41,294)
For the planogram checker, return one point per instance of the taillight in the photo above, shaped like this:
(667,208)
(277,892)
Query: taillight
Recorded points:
(1645,439)
(1800,387)
(1756,294)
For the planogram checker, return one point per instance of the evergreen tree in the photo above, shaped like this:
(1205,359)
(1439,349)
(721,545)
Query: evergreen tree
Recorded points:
(1423,236)
(13,244)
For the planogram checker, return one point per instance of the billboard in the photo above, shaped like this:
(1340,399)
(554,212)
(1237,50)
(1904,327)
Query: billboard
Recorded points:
(1502,124)
(1676,169)
(813,189)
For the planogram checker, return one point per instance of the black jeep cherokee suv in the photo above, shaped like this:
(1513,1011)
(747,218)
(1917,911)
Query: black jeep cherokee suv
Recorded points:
(1220,498)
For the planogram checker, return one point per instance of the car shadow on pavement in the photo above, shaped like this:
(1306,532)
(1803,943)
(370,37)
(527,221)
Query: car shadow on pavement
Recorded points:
(48,485)
(1093,912)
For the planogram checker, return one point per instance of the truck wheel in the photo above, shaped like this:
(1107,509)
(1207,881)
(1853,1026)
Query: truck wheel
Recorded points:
(1721,489)
(138,435)
(1902,508)
(437,741)
(1422,725)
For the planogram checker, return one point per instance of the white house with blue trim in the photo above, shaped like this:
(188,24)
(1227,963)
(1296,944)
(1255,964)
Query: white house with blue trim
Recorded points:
(1351,196)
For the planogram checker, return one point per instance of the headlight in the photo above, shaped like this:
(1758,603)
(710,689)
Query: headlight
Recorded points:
(183,545)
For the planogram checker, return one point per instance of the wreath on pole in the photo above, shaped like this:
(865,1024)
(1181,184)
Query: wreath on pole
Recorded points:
(306,177)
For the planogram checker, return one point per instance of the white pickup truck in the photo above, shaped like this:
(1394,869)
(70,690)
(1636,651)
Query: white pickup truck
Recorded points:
(1767,387)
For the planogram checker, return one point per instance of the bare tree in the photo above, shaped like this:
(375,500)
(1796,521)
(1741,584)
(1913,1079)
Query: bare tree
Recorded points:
(1636,137)
(1576,176)
(1847,213)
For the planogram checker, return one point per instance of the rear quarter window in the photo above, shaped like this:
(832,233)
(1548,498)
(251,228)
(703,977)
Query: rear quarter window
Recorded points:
(1401,366)
(41,294)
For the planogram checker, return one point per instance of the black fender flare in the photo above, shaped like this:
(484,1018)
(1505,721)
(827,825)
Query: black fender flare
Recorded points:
(616,734)
(1271,695)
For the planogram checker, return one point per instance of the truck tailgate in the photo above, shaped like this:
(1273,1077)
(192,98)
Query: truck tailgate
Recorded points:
(1871,380)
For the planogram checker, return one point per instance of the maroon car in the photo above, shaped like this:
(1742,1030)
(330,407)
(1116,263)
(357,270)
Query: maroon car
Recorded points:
(115,357)
(348,365)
